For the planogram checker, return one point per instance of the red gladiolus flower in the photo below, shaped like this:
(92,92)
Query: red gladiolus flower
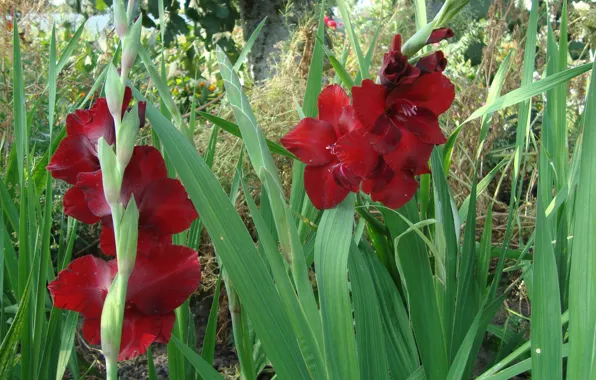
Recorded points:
(164,207)
(159,283)
(77,153)
(336,154)
(387,114)
(396,70)
(439,35)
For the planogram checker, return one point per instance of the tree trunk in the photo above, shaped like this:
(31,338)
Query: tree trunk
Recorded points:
(265,51)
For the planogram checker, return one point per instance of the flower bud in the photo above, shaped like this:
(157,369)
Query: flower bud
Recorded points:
(120,18)
(126,246)
(111,319)
(131,44)
(125,137)
(111,178)
(114,93)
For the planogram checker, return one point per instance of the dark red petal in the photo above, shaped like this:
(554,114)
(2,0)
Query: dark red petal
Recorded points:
(425,125)
(348,121)
(92,186)
(138,332)
(331,103)
(142,109)
(396,192)
(75,205)
(165,206)
(369,102)
(92,330)
(93,123)
(432,91)
(146,239)
(167,325)
(145,166)
(396,43)
(126,100)
(344,177)
(74,155)
(83,286)
(322,189)
(411,154)
(310,140)
(356,154)
(164,279)
(433,62)
(384,135)
(439,35)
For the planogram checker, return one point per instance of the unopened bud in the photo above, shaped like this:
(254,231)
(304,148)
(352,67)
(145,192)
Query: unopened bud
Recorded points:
(114,93)
(120,21)
(111,178)
(131,44)
(126,136)
(126,246)
(111,319)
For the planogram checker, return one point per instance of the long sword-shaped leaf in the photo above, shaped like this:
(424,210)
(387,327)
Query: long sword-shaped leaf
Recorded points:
(332,246)
(235,249)
(582,287)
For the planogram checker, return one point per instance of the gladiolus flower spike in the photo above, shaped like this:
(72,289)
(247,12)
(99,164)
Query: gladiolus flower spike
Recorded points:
(164,275)
(380,142)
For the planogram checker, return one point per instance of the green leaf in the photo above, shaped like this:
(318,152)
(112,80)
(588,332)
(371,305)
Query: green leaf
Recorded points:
(582,287)
(362,62)
(66,342)
(233,129)
(332,246)
(249,43)
(414,266)
(70,47)
(546,307)
(528,91)
(402,353)
(370,344)
(11,340)
(235,249)
(203,368)
(482,186)
(208,352)
(444,214)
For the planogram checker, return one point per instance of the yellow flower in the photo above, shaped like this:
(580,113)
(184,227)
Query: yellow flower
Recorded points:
(212,87)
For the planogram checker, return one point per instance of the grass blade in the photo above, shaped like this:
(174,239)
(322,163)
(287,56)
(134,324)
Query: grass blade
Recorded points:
(362,62)
(66,342)
(204,369)
(208,351)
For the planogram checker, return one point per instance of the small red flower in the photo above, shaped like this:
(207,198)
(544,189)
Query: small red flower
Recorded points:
(164,207)
(331,24)
(439,35)
(159,283)
(336,155)
(77,152)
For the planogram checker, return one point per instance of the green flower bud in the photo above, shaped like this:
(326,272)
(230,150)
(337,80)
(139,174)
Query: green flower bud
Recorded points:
(126,136)
(114,93)
(126,246)
(111,177)
(120,21)
(131,43)
(111,320)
